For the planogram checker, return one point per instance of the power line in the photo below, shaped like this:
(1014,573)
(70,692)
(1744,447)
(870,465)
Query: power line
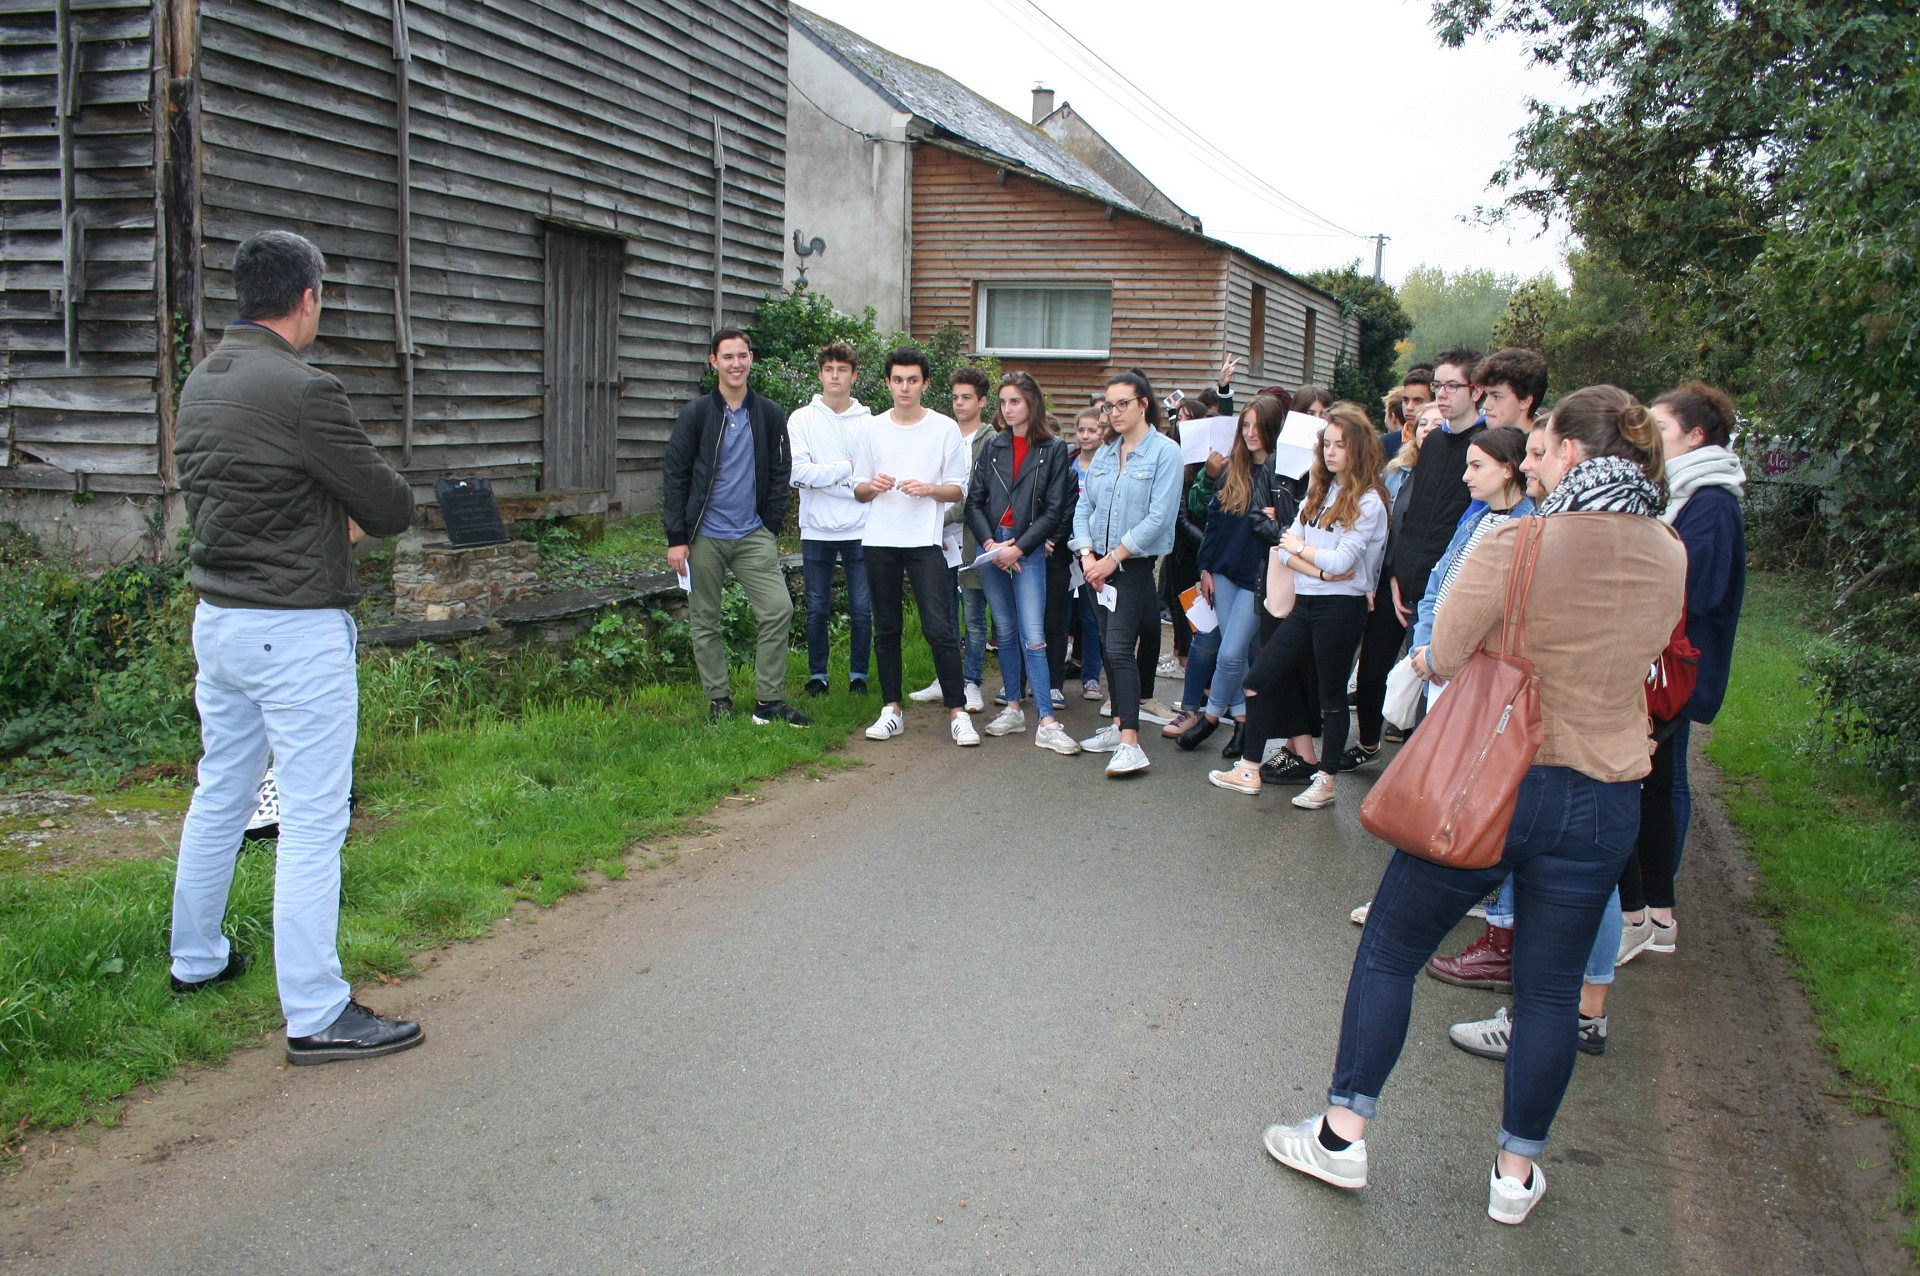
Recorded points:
(1191,133)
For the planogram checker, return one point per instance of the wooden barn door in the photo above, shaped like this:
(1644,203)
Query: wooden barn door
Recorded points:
(583,359)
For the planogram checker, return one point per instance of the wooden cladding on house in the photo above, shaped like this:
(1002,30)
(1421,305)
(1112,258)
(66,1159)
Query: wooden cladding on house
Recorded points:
(79,324)
(970,229)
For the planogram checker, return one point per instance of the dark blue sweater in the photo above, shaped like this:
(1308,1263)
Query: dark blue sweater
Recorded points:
(1715,533)
(1230,549)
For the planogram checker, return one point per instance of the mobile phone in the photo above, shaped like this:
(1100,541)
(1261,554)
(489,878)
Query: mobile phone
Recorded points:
(1173,401)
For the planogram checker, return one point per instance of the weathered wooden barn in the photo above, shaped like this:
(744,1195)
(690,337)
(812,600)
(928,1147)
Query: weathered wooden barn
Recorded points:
(534,212)
(1036,238)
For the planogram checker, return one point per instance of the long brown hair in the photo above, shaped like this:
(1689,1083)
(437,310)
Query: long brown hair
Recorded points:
(1040,426)
(1236,490)
(1365,463)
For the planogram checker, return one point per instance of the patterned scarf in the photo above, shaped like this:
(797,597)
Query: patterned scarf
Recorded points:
(1611,484)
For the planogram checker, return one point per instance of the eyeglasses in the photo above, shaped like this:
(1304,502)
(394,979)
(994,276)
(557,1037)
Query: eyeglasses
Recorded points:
(1118,405)
(1455,386)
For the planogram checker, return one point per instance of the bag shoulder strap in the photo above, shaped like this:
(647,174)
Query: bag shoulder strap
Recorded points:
(1526,557)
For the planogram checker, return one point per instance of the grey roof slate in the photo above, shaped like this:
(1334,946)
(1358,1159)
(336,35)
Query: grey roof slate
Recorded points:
(954,109)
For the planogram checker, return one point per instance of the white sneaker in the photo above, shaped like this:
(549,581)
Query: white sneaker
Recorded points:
(1236,780)
(1298,1147)
(1059,698)
(1127,759)
(1509,1200)
(1488,1038)
(1169,667)
(1359,915)
(963,732)
(975,703)
(1663,936)
(1010,721)
(1106,707)
(1156,712)
(1053,736)
(888,725)
(927,694)
(1105,742)
(1319,794)
(1091,691)
(1634,940)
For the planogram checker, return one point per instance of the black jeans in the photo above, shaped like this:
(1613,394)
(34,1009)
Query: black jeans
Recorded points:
(1380,646)
(1647,879)
(1059,608)
(1131,645)
(925,568)
(1325,628)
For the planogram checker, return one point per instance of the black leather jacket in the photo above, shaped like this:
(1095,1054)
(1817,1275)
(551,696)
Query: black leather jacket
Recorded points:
(1042,497)
(1269,491)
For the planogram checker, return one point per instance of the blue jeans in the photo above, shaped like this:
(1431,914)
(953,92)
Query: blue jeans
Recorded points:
(280,686)
(1203,654)
(1239,627)
(816,564)
(1093,617)
(1682,795)
(1569,837)
(969,628)
(1606,941)
(1019,603)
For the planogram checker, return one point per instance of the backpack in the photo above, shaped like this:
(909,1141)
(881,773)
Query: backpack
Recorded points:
(1671,678)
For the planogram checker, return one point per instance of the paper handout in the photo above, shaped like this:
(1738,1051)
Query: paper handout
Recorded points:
(1199,611)
(1109,596)
(1299,436)
(1204,435)
(685,580)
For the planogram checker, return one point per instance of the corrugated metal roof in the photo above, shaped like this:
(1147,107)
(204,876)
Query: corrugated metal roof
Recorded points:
(955,109)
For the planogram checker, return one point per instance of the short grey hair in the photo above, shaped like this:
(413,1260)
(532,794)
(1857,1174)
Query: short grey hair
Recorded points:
(272,272)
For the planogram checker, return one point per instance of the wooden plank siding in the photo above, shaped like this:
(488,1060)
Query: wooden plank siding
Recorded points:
(969,228)
(592,115)
(589,114)
(96,412)
(1180,300)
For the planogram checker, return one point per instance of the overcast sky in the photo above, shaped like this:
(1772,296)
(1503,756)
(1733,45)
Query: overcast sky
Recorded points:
(1353,109)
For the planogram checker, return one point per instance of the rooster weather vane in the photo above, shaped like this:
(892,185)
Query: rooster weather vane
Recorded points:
(804,249)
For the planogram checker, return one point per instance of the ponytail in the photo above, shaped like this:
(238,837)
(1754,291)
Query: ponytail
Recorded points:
(1136,380)
(1607,421)
(1701,407)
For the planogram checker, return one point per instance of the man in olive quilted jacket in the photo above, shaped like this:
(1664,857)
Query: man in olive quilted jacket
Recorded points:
(279,480)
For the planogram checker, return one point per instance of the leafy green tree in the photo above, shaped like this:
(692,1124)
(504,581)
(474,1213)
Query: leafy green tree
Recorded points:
(1596,331)
(1452,310)
(1366,374)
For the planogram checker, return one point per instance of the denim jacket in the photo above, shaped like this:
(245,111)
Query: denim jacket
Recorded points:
(1422,633)
(1134,508)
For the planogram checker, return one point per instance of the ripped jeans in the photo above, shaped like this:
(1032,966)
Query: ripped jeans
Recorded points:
(1018,600)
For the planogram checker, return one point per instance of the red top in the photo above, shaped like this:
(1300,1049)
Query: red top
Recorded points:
(1019,455)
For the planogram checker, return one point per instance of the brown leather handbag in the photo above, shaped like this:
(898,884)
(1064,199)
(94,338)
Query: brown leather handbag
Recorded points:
(1448,795)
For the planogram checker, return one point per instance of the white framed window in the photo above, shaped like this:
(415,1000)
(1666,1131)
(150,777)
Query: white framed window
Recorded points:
(1060,321)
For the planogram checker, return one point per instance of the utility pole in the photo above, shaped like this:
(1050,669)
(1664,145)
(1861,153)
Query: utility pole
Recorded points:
(1379,252)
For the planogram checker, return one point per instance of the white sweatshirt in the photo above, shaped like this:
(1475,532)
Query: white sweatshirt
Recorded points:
(822,444)
(930,450)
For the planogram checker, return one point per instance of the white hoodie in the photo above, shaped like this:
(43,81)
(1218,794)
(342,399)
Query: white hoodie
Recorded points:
(822,444)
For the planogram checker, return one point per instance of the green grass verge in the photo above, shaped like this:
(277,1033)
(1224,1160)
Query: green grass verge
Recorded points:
(1839,863)
(473,819)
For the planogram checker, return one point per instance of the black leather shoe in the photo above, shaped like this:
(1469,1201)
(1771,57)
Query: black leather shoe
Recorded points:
(237,963)
(357,1034)
(817,687)
(1196,735)
(1288,768)
(767,711)
(856,686)
(1238,741)
(719,710)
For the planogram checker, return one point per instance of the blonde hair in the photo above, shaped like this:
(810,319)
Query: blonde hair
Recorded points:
(1607,421)
(1236,490)
(1366,462)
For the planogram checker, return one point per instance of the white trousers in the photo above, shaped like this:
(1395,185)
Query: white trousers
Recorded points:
(277,686)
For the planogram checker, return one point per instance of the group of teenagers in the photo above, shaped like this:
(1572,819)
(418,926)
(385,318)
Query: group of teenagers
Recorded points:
(1396,547)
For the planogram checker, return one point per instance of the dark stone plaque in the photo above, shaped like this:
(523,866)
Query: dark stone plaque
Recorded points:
(471,513)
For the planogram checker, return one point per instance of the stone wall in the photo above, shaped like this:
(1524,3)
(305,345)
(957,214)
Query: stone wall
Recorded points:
(440,582)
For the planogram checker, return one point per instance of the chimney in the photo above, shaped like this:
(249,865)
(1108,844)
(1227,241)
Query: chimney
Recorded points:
(1042,102)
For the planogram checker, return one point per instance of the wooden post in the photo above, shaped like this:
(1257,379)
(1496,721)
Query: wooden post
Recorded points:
(719,221)
(403,349)
(66,106)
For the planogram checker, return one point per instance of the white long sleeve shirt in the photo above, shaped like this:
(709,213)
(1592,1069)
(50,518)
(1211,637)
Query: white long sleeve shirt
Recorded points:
(822,443)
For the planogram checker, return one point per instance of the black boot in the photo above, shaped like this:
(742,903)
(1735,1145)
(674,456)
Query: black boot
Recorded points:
(1235,744)
(1196,735)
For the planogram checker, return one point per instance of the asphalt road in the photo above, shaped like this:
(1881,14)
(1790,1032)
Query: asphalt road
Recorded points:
(964,1010)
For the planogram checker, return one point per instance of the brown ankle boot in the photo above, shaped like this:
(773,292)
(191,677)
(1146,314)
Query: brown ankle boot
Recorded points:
(1487,963)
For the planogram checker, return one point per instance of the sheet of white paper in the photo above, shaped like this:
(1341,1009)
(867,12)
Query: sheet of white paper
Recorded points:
(952,554)
(1299,435)
(1109,597)
(986,555)
(1204,619)
(1203,435)
(686,581)
(1075,577)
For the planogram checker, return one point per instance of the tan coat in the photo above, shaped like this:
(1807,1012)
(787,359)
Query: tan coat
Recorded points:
(1606,595)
